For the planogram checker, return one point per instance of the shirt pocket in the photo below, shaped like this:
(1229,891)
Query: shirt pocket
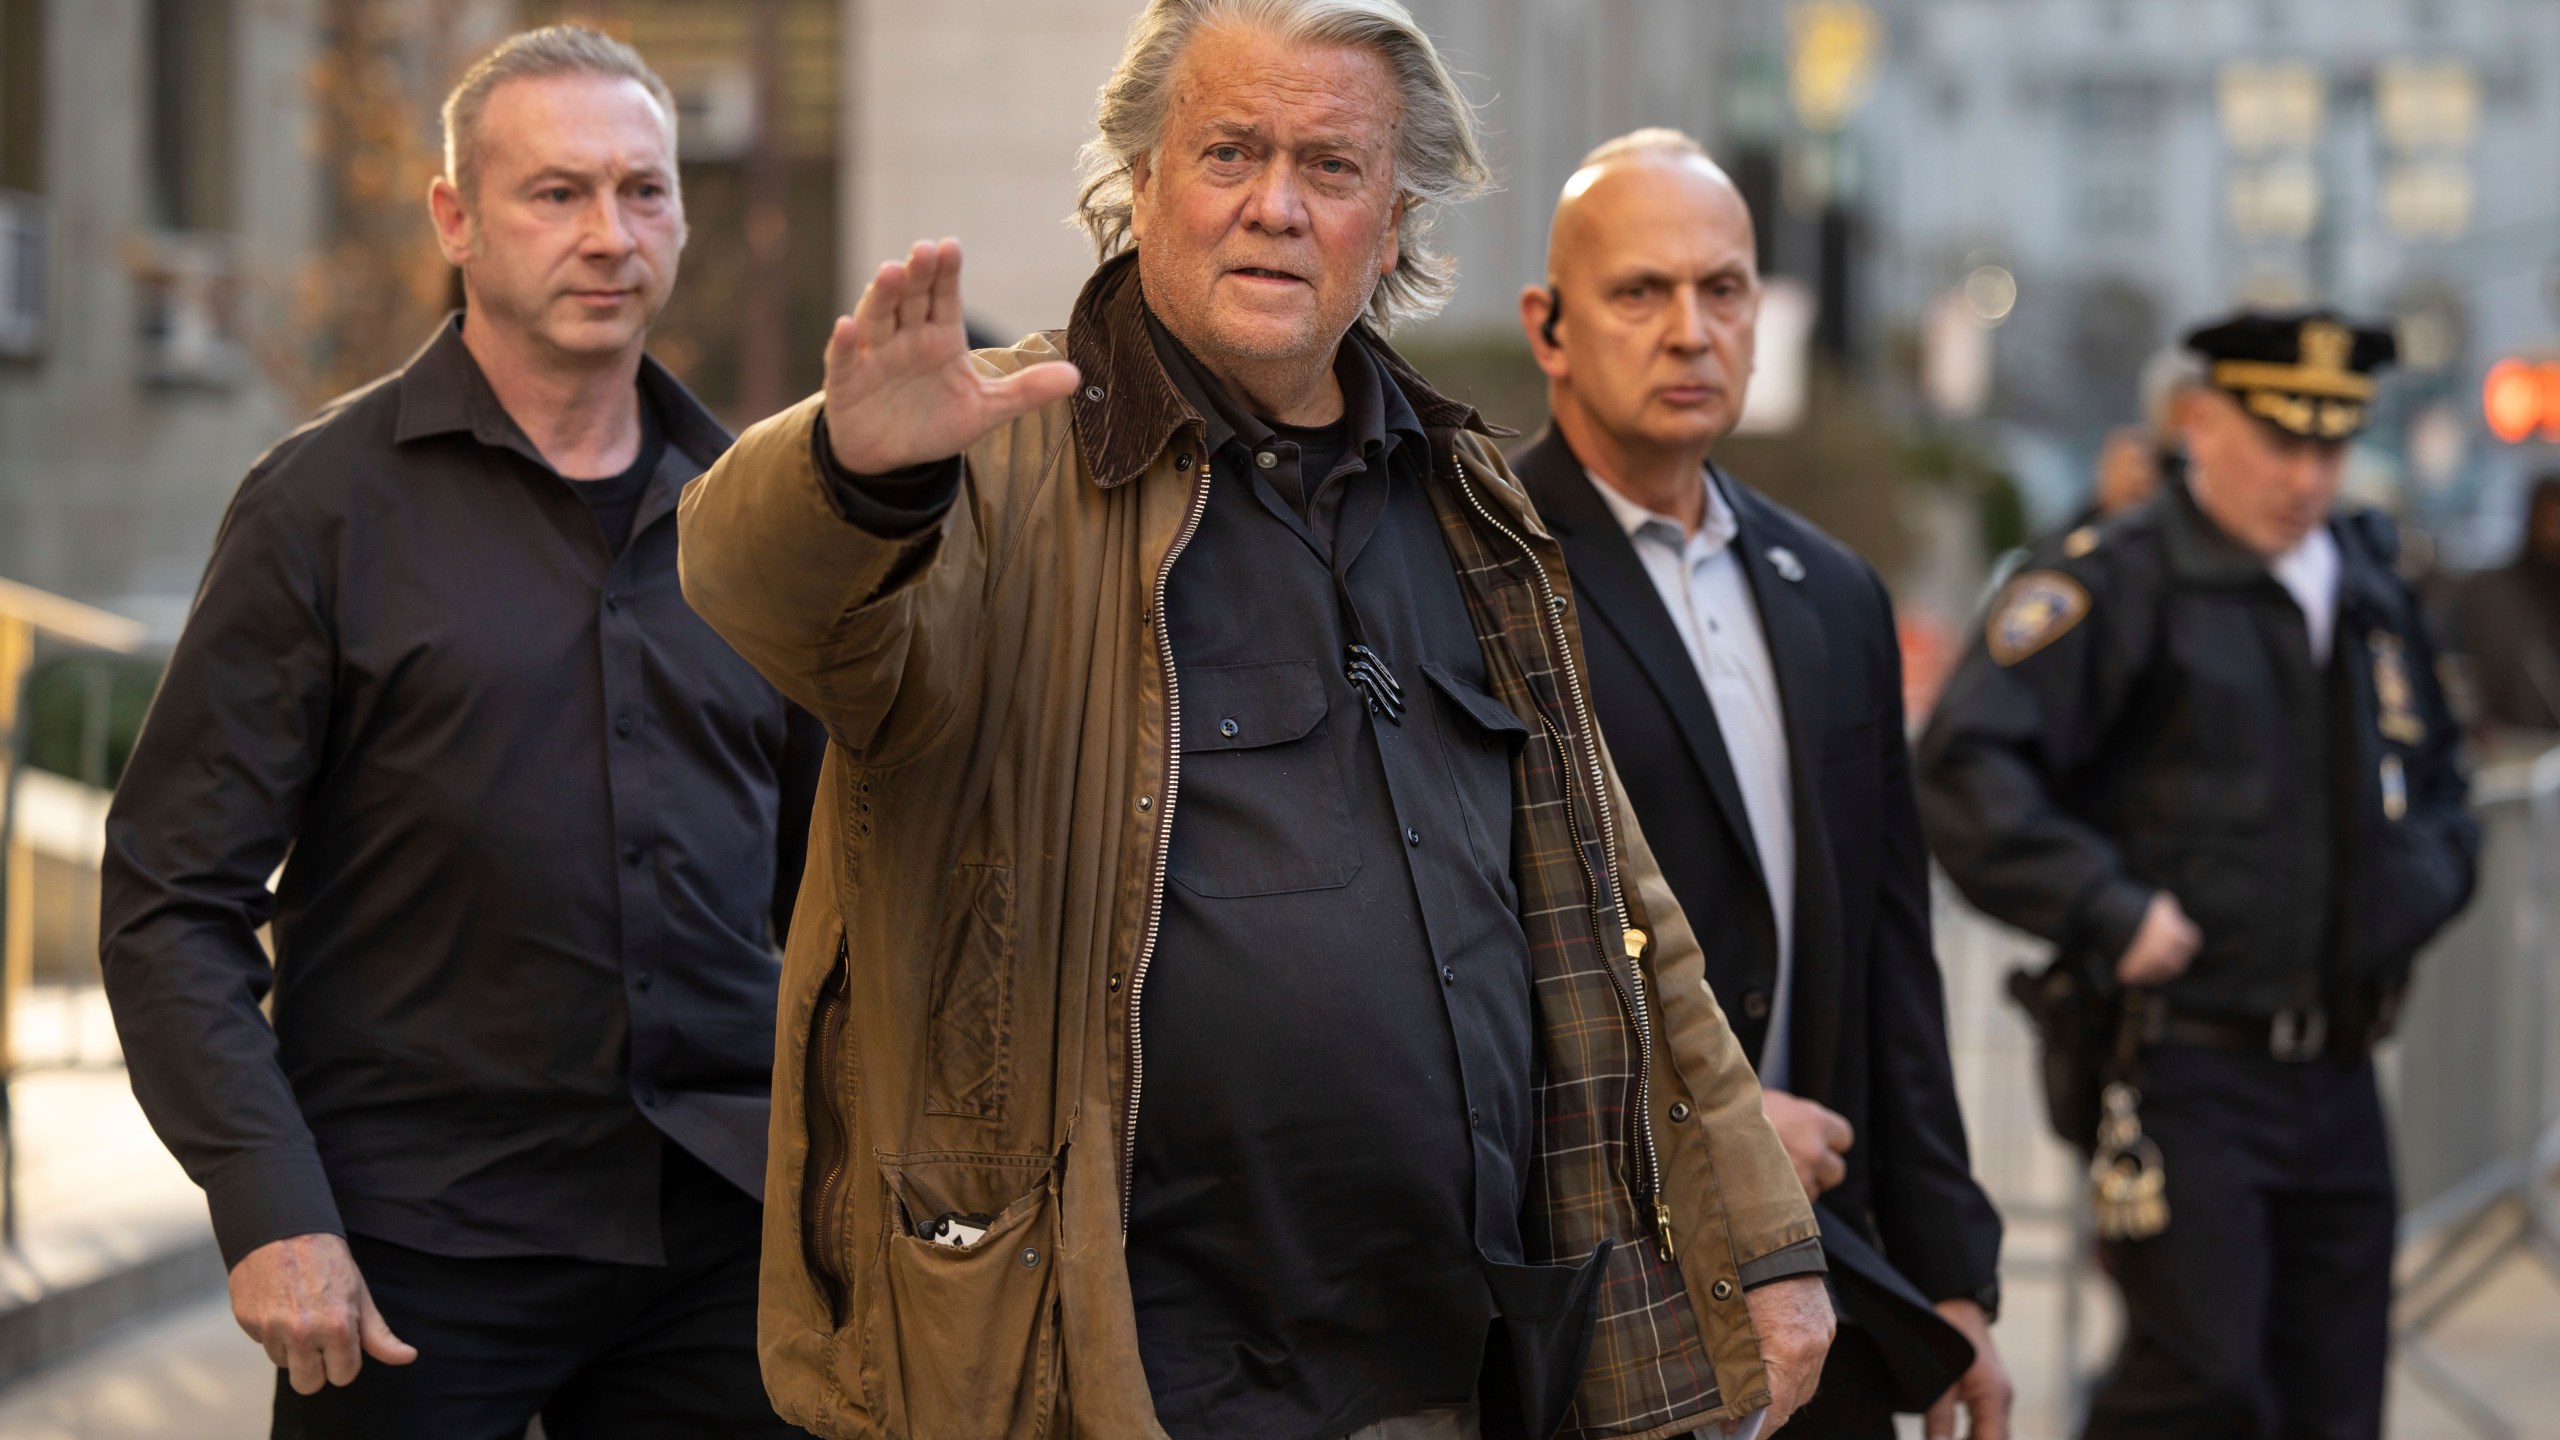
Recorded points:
(1485,738)
(1262,810)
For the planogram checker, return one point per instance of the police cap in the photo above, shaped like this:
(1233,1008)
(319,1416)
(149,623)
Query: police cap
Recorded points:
(2306,372)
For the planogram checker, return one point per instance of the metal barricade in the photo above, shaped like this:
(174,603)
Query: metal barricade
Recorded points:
(2468,1079)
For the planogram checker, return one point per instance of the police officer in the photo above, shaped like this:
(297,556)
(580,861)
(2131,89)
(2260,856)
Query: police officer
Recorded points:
(2201,748)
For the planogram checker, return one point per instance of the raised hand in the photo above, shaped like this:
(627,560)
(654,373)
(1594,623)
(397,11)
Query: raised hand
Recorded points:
(900,388)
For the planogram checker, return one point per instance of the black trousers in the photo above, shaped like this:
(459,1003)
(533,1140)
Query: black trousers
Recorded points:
(2264,1311)
(599,1351)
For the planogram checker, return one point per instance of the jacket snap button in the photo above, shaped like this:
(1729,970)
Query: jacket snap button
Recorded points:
(1723,1290)
(1093,393)
(1228,728)
(1114,981)
(1030,1258)
(1146,802)
(1182,461)
(1679,1111)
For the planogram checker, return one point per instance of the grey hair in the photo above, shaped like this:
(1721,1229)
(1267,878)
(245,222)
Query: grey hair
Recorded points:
(551,50)
(1439,158)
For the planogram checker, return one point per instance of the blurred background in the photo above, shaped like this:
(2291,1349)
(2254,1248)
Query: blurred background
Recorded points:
(1982,223)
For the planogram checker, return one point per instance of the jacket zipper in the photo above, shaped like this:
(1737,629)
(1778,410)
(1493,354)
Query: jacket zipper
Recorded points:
(1163,847)
(1631,989)
(822,1178)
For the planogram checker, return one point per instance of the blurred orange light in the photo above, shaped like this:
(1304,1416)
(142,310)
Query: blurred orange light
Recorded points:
(2520,397)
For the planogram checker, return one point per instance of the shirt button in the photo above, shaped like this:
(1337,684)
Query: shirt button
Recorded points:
(1679,1111)
(623,726)
(1755,1003)
(1448,976)
(1228,728)
(647,979)
(1475,1118)
(631,856)
(612,602)
(1412,836)
(649,1099)
(1266,459)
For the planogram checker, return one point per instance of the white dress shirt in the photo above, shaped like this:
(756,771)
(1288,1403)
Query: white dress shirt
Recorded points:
(2309,572)
(1703,585)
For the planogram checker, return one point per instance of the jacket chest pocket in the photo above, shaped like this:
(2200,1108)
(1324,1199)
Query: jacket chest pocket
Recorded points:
(1261,808)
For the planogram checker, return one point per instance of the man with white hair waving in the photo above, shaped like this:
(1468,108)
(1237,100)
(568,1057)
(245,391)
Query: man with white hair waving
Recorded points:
(1249,1007)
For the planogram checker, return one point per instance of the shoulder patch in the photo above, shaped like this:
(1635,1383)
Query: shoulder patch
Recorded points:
(2035,610)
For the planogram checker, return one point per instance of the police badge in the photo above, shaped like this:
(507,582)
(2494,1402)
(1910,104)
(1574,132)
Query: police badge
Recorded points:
(2037,609)
(2395,702)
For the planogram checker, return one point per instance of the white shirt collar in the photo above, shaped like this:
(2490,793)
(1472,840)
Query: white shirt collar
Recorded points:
(1715,532)
(2309,572)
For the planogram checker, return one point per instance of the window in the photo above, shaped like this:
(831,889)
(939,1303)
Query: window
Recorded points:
(24,231)
(187,276)
(191,118)
(22,96)
(2114,123)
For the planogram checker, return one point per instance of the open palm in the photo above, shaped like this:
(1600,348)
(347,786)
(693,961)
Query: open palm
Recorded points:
(900,388)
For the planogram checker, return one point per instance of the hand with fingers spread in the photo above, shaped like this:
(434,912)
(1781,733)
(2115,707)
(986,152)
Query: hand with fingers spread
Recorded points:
(900,387)
(304,1300)
(1817,1138)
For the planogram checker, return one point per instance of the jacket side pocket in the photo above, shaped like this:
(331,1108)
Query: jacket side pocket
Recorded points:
(973,1328)
(969,1039)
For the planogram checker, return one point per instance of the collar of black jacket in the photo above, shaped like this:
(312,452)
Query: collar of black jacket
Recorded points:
(1128,407)
(442,391)
(2201,554)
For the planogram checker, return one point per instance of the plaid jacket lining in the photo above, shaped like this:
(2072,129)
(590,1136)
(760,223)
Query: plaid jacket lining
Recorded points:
(1649,1366)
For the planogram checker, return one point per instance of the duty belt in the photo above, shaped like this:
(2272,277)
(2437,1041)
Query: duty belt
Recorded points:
(2294,1034)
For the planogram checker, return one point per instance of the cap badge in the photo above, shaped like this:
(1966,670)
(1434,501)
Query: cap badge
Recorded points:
(2326,344)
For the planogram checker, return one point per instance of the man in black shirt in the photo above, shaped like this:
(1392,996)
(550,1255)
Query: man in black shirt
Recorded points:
(539,827)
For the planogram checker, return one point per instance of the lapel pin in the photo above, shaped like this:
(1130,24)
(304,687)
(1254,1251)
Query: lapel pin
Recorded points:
(1784,561)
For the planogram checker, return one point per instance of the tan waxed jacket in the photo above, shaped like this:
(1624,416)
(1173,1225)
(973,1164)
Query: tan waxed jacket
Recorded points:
(957,1033)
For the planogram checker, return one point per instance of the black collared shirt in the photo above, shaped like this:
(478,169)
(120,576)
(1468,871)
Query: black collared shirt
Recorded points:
(539,829)
(1338,1025)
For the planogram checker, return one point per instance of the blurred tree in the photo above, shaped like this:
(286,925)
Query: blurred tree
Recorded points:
(376,285)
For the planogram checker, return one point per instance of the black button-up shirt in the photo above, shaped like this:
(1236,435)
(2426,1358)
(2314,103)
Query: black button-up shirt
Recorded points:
(539,829)
(1338,1025)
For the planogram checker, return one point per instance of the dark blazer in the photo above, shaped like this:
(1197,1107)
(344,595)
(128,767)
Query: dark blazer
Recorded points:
(1869,1023)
